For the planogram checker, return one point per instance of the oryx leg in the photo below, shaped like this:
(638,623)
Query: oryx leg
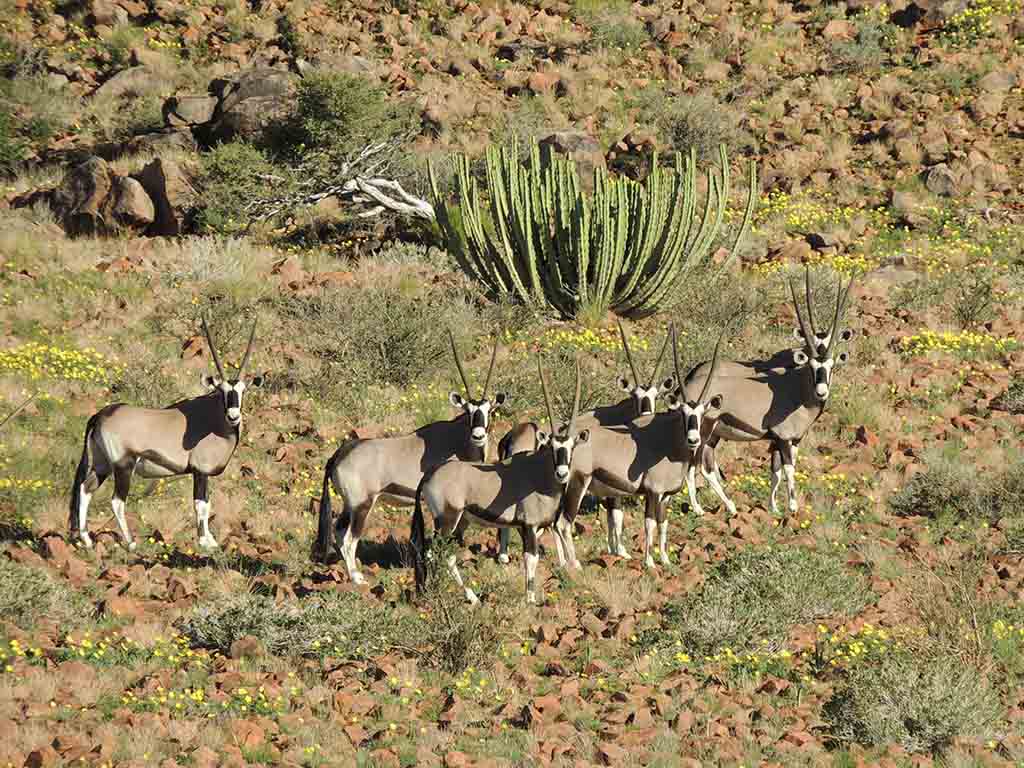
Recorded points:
(788,452)
(691,487)
(776,475)
(89,487)
(503,537)
(356,517)
(201,499)
(448,528)
(662,530)
(530,558)
(651,501)
(564,543)
(709,468)
(613,507)
(122,484)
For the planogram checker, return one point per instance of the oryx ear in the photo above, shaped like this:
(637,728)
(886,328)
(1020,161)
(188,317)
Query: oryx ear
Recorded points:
(624,385)
(542,438)
(209,382)
(583,437)
(716,402)
(845,335)
(456,399)
(842,357)
(257,381)
(800,357)
(673,401)
(668,384)
(500,399)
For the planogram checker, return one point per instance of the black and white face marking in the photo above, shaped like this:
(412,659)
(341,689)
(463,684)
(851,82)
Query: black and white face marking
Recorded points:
(478,413)
(693,414)
(645,398)
(821,370)
(562,447)
(231,391)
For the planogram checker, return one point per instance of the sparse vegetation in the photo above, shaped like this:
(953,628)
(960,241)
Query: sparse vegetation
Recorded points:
(28,595)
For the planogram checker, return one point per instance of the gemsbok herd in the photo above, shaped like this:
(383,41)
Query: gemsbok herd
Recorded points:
(612,452)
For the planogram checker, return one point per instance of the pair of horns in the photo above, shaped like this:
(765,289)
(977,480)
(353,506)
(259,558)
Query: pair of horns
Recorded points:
(216,358)
(714,360)
(462,372)
(810,330)
(629,358)
(547,399)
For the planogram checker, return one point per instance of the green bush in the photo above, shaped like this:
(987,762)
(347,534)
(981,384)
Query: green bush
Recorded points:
(232,175)
(12,146)
(758,595)
(955,491)
(698,121)
(919,701)
(335,623)
(1012,400)
(612,24)
(28,594)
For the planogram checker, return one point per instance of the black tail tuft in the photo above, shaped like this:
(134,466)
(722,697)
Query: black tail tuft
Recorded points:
(325,530)
(418,538)
(84,466)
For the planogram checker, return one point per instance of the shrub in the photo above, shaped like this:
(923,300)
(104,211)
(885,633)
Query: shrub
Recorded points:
(1012,400)
(918,701)
(232,175)
(12,146)
(956,491)
(612,24)
(697,121)
(335,623)
(865,51)
(759,595)
(28,594)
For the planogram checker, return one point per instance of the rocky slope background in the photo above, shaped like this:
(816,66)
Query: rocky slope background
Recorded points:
(165,159)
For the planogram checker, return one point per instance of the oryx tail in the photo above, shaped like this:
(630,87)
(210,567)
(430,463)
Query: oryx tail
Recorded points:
(85,465)
(324,541)
(418,537)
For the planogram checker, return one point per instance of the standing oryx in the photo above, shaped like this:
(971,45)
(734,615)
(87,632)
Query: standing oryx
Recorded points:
(649,456)
(525,492)
(391,467)
(778,404)
(641,400)
(197,436)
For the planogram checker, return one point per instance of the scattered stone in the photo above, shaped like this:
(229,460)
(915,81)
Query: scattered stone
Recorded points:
(80,200)
(940,180)
(247,647)
(998,80)
(189,110)
(839,29)
(583,148)
(131,82)
(132,207)
(172,194)
(247,104)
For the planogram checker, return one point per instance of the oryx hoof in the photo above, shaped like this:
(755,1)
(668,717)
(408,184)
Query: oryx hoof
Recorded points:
(665,560)
(531,598)
(698,510)
(85,539)
(472,598)
(131,546)
(503,559)
(649,562)
(623,553)
(575,565)
(357,578)
(208,542)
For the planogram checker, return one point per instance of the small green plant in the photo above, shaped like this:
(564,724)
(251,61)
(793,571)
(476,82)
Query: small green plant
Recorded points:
(920,701)
(956,492)
(699,121)
(28,594)
(1012,400)
(231,176)
(612,24)
(751,600)
(12,145)
(868,49)
(975,22)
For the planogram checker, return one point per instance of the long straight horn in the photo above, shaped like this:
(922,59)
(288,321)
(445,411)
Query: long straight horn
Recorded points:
(675,354)
(810,302)
(490,370)
(808,336)
(547,397)
(575,400)
(657,363)
(841,298)
(248,350)
(714,365)
(213,350)
(629,355)
(458,363)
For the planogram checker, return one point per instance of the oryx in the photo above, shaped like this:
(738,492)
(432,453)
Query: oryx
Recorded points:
(641,400)
(363,471)
(525,491)
(649,456)
(197,436)
(778,404)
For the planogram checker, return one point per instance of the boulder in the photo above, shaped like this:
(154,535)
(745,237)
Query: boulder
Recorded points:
(189,110)
(172,194)
(132,207)
(583,148)
(248,103)
(941,180)
(80,200)
(107,13)
(134,81)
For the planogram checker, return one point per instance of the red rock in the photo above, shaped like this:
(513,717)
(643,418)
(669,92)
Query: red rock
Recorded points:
(839,29)
(456,760)
(246,734)
(866,437)
(612,754)
(543,82)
